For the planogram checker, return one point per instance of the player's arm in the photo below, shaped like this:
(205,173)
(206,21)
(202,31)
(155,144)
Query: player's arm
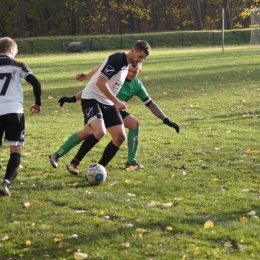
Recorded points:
(104,88)
(86,76)
(156,110)
(72,99)
(37,91)
(80,77)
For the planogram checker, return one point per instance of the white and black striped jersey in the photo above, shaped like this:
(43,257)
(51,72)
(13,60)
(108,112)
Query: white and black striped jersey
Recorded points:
(11,94)
(114,69)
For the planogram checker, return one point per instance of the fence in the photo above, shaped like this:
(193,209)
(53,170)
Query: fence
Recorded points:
(156,40)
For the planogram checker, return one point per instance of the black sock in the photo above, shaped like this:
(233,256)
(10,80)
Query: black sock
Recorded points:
(12,166)
(109,152)
(85,147)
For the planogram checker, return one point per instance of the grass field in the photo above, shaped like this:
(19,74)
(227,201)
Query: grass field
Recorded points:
(196,198)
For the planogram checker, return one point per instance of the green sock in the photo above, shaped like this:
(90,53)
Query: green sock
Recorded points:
(132,143)
(71,142)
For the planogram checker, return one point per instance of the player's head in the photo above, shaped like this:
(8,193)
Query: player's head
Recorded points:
(8,46)
(133,71)
(139,52)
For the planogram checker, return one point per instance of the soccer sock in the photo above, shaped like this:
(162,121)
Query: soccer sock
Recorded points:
(71,142)
(85,147)
(108,154)
(132,144)
(12,166)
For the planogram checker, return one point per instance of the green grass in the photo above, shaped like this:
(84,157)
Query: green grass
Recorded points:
(203,173)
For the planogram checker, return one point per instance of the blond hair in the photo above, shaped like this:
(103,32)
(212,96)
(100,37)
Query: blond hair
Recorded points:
(6,43)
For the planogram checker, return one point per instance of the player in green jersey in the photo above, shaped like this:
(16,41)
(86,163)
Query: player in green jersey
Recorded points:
(131,87)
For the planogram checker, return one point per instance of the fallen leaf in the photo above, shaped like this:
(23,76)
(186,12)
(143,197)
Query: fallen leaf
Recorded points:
(4,238)
(168,228)
(251,213)
(28,242)
(73,236)
(140,230)
(56,239)
(27,204)
(242,219)
(208,224)
(228,244)
(169,204)
(79,256)
(131,194)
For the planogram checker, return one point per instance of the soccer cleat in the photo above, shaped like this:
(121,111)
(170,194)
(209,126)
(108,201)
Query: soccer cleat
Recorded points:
(54,160)
(4,189)
(73,168)
(133,165)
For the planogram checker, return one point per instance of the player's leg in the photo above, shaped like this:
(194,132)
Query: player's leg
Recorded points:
(133,126)
(114,125)
(71,142)
(14,137)
(96,122)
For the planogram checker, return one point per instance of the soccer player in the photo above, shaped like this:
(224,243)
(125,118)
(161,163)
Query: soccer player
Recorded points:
(12,122)
(101,107)
(131,87)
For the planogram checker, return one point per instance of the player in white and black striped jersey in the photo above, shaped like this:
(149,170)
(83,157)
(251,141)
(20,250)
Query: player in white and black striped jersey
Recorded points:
(12,122)
(100,105)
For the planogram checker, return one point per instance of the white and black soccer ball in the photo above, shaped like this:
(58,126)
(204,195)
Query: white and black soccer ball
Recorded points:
(95,174)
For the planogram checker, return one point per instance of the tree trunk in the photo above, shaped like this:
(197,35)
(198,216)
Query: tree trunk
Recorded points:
(196,15)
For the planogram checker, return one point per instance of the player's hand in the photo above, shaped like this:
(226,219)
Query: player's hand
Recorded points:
(81,76)
(67,99)
(35,109)
(171,124)
(121,105)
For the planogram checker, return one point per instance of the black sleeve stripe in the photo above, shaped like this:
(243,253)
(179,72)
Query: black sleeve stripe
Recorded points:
(147,101)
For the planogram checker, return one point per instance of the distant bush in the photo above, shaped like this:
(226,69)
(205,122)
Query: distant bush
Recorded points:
(113,42)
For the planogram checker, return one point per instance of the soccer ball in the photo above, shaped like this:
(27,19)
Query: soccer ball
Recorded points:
(95,174)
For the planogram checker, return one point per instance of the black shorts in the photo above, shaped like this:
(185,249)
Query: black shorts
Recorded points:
(124,114)
(92,109)
(13,126)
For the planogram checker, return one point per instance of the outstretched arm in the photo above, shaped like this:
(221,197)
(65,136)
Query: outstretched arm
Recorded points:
(72,99)
(86,76)
(80,76)
(155,109)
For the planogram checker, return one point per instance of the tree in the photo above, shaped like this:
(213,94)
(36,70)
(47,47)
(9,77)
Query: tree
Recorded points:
(196,15)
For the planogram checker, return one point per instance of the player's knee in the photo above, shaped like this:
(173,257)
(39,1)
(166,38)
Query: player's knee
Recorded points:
(99,133)
(120,138)
(137,125)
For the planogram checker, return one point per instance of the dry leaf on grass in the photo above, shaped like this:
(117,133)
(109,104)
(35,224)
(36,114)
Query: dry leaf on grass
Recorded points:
(251,213)
(208,224)
(80,256)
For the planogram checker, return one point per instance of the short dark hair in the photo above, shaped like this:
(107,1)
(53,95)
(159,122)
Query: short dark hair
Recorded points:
(142,45)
